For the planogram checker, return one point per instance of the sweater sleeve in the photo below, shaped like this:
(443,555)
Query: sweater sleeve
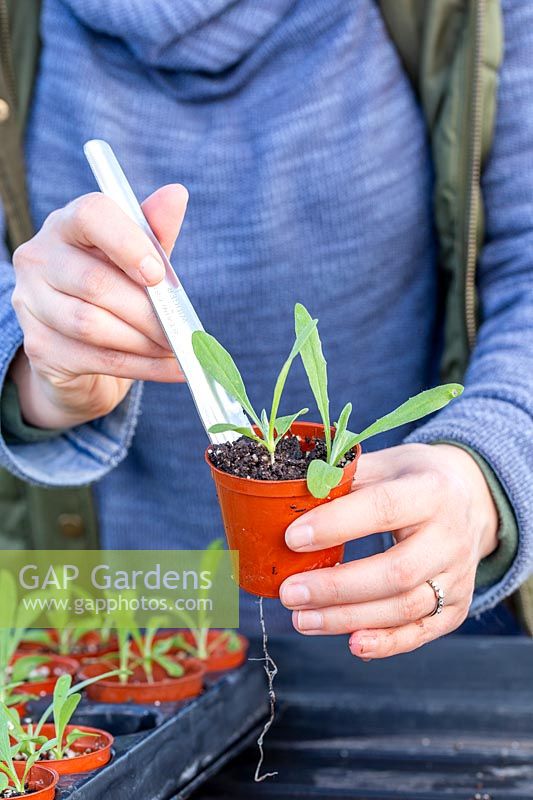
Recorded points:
(73,457)
(494,416)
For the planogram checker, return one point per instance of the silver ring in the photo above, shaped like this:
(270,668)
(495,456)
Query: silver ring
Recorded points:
(439,598)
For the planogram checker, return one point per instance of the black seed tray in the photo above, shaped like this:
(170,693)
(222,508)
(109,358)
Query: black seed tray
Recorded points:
(159,750)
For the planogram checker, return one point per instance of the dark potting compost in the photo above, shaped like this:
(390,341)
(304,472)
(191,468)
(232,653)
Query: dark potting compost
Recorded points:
(248,459)
(256,514)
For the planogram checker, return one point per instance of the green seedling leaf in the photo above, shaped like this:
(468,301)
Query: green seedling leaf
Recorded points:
(322,478)
(316,368)
(229,639)
(282,424)
(301,339)
(413,409)
(15,699)
(180,643)
(11,716)
(83,684)
(64,705)
(154,624)
(188,620)
(4,781)
(39,740)
(62,717)
(67,710)
(23,667)
(44,745)
(210,563)
(5,770)
(5,746)
(219,365)
(63,689)
(124,650)
(264,424)
(344,416)
(342,435)
(19,784)
(171,667)
(217,362)
(38,636)
(163,646)
(76,734)
(222,427)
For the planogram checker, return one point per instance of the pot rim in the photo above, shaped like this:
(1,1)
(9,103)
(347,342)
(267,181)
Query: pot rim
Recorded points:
(215,632)
(65,661)
(102,734)
(54,776)
(198,668)
(292,483)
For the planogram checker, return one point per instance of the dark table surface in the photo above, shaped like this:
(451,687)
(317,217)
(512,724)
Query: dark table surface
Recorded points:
(452,720)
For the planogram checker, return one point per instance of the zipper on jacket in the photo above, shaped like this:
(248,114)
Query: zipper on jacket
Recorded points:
(476,125)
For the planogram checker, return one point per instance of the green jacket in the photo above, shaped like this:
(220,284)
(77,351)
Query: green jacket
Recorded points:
(452,50)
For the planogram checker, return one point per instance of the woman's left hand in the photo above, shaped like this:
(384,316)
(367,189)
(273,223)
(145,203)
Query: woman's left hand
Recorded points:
(436,502)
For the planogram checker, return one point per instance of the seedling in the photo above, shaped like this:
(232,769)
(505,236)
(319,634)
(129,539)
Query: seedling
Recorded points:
(154,651)
(218,363)
(323,476)
(150,651)
(15,619)
(201,647)
(65,637)
(8,752)
(124,653)
(60,640)
(30,739)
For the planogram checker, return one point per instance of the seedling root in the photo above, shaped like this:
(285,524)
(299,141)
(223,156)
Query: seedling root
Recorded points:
(271,672)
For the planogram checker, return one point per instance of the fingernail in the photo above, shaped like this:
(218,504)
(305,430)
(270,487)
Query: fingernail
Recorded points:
(295,594)
(297,536)
(360,645)
(152,269)
(310,620)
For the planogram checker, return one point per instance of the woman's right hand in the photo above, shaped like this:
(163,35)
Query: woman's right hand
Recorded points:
(89,328)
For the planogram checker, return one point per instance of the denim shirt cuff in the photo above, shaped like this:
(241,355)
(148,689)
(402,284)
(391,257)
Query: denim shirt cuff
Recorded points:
(73,457)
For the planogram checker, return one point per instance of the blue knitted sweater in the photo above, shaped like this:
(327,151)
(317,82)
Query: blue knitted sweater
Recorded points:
(302,145)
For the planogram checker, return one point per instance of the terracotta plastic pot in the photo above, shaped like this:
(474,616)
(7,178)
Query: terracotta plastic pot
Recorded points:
(58,665)
(41,781)
(163,688)
(100,745)
(256,515)
(221,658)
(90,645)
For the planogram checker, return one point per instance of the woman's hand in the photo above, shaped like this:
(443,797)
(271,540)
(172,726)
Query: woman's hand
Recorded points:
(89,329)
(436,502)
